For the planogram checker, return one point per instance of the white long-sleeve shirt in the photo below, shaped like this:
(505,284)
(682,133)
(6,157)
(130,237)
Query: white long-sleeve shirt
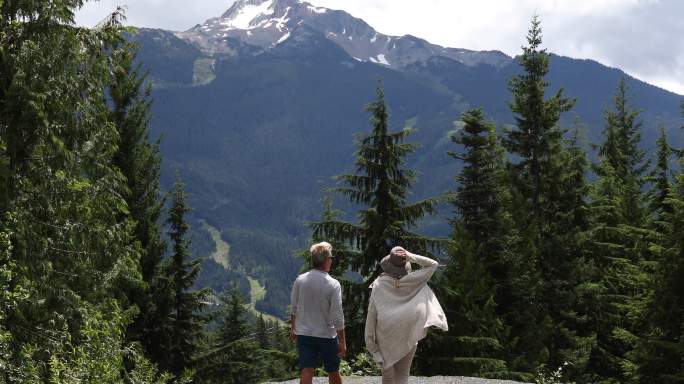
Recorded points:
(400,311)
(317,305)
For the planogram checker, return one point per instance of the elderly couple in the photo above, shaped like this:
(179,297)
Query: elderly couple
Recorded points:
(400,310)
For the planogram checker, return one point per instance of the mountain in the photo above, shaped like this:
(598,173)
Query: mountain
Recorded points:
(257,109)
(267,23)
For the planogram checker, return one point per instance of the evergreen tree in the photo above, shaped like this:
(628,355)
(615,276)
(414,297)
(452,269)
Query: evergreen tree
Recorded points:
(621,151)
(475,288)
(70,247)
(382,185)
(234,326)
(261,331)
(573,337)
(138,158)
(233,358)
(660,177)
(549,201)
(660,354)
(537,137)
(341,251)
(618,247)
(139,161)
(185,322)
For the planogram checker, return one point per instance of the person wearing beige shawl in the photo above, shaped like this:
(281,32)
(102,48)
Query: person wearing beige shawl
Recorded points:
(400,310)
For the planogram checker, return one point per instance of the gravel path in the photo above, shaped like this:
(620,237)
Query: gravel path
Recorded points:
(412,380)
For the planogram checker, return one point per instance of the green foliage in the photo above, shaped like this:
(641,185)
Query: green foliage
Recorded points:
(137,157)
(139,161)
(545,376)
(232,357)
(97,356)
(363,365)
(660,178)
(476,288)
(549,190)
(620,151)
(239,353)
(660,353)
(382,185)
(70,249)
(182,329)
(618,249)
(261,333)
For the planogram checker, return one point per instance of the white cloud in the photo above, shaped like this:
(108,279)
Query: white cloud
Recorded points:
(641,37)
(175,15)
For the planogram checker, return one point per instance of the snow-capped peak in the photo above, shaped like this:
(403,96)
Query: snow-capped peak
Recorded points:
(243,14)
(265,24)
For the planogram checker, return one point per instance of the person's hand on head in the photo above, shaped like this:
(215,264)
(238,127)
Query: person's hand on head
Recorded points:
(401,252)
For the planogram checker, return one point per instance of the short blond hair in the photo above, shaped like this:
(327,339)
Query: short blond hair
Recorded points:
(319,252)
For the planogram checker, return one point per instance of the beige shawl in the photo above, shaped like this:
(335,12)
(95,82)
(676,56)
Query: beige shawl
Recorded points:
(400,311)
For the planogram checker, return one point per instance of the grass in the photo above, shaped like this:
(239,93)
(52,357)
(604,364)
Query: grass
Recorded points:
(222,257)
(222,254)
(258,292)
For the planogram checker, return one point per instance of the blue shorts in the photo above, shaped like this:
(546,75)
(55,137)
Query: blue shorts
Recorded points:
(312,348)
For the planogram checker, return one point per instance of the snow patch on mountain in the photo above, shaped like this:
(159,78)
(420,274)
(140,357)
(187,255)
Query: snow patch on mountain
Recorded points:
(244,16)
(285,36)
(281,22)
(380,59)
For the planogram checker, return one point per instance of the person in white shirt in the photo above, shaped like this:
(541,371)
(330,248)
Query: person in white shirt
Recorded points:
(317,320)
(400,310)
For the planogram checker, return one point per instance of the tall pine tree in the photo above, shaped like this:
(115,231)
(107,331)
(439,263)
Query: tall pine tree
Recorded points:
(233,357)
(660,178)
(382,185)
(660,354)
(137,157)
(621,151)
(139,161)
(618,246)
(185,320)
(549,199)
(475,287)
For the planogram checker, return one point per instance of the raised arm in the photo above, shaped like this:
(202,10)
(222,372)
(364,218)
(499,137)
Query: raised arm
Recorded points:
(428,269)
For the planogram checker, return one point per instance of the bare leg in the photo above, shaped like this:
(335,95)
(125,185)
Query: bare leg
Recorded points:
(403,367)
(334,378)
(306,376)
(388,375)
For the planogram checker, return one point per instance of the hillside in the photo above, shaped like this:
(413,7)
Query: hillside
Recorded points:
(259,116)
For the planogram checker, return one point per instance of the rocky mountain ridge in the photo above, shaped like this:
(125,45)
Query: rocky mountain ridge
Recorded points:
(267,23)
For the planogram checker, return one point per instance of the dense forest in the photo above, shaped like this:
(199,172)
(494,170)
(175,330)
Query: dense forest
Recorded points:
(564,262)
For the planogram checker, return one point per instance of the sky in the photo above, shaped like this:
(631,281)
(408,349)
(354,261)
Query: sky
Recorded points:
(641,37)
